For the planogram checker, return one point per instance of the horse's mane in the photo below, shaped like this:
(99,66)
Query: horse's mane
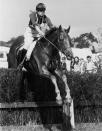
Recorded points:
(48,33)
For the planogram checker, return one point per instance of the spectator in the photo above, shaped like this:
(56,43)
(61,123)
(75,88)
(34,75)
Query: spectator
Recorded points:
(90,65)
(63,63)
(82,65)
(75,65)
(100,62)
(72,64)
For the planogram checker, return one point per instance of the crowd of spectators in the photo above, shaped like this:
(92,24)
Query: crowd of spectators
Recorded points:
(85,66)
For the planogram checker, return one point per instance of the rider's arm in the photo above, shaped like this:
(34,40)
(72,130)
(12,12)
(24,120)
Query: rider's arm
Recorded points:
(35,25)
(49,22)
(33,18)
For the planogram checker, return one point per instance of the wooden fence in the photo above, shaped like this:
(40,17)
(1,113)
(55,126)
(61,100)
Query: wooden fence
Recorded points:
(36,113)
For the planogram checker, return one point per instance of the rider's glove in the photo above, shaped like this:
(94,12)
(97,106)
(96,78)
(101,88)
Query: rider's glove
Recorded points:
(41,34)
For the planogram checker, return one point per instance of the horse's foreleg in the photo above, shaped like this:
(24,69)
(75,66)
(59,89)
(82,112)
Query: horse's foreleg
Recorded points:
(54,81)
(64,78)
(53,78)
(68,96)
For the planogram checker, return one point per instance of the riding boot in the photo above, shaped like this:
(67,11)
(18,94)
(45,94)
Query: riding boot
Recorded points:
(21,55)
(24,51)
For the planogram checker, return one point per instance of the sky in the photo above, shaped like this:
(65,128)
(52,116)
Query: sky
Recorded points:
(82,15)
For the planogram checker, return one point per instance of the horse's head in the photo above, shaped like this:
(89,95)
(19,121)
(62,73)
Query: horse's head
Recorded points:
(59,38)
(64,41)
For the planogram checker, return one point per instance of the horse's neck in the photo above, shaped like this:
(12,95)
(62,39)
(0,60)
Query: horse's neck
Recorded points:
(51,35)
(52,38)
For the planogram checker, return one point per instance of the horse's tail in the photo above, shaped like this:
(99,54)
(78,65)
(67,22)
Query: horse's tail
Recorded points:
(12,56)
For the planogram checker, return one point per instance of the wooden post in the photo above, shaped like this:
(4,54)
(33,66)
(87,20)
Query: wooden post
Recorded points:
(68,116)
(72,114)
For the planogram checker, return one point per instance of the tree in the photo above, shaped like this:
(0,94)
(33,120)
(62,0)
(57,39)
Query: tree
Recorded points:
(99,35)
(85,40)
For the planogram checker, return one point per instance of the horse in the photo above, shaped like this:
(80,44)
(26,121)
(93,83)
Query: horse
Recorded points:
(45,58)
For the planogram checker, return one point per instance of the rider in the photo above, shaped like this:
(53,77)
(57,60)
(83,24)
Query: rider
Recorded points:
(38,25)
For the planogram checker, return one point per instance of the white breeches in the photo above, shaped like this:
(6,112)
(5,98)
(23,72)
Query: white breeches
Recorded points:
(30,49)
(28,38)
(29,44)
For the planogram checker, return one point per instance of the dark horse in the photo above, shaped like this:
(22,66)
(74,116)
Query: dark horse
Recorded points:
(45,56)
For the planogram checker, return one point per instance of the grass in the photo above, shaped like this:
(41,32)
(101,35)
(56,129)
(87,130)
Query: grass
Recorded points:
(89,127)
(31,128)
(79,127)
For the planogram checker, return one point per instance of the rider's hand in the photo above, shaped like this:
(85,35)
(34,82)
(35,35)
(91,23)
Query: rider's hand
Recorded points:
(41,34)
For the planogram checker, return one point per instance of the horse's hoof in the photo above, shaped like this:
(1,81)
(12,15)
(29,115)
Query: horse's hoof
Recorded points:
(24,69)
(58,97)
(59,101)
(68,100)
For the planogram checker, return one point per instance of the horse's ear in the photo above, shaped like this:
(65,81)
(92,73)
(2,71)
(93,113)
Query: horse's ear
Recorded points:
(60,28)
(67,30)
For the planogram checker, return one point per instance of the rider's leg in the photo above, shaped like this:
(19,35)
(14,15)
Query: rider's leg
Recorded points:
(28,39)
(30,49)
(23,49)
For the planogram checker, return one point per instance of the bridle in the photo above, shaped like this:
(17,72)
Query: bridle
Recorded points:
(60,38)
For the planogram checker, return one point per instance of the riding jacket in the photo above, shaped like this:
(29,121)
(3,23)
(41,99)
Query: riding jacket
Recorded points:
(44,23)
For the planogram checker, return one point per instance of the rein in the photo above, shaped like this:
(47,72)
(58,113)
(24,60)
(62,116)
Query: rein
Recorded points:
(53,45)
(50,43)
(21,64)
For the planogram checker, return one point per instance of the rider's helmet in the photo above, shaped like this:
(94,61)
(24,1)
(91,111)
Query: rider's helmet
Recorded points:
(40,7)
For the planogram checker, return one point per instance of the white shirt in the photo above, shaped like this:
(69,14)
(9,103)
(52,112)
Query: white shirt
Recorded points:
(90,66)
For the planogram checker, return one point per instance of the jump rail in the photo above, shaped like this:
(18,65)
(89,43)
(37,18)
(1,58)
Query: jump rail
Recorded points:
(52,111)
(30,104)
